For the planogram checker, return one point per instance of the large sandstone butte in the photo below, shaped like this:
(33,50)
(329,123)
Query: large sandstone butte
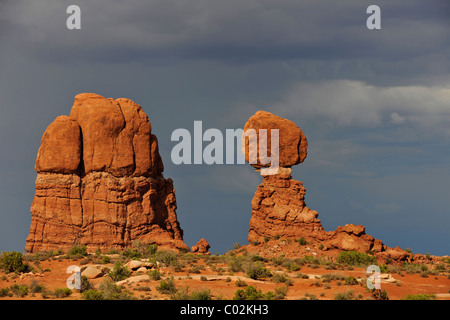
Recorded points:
(100,181)
(278,206)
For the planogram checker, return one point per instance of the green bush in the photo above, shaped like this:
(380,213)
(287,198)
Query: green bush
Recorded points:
(240,283)
(19,290)
(378,294)
(154,274)
(351,281)
(301,241)
(36,287)
(257,271)
(77,252)
(108,290)
(119,272)
(354,258)
(92,294)
(282,278)
(85,284)
(252,293)
(62,292)
(132,254)
(422,296)
(5,292)
(204,295)
(13,262)
(111,291)
(167,286)
(348,295)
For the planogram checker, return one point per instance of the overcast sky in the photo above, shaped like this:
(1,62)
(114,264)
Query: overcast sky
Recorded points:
(374,104)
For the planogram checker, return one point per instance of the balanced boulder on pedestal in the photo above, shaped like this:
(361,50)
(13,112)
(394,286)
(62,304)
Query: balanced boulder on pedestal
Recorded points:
(278,206)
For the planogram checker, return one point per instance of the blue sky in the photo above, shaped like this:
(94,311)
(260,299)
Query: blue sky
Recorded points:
(374,105)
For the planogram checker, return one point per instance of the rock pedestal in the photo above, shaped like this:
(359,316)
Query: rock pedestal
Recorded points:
(278,206)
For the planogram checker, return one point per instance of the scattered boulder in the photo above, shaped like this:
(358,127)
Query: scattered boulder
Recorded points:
(134,265)
(92,272)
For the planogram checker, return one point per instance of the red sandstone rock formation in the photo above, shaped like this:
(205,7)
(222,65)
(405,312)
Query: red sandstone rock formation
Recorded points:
(292,142)
(100,181)
(278,206)
(201,247)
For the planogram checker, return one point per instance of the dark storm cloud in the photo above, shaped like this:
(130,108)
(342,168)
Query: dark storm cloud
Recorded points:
(239,31)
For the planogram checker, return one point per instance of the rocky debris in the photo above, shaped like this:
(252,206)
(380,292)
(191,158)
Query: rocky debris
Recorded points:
(354,238)
(92,272)
(278,206)
(134,265)
(396,254)
(100,181)
(202,247)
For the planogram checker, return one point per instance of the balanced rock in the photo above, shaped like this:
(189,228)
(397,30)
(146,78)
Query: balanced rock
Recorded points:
(100,181)
(278,206)
(292,141)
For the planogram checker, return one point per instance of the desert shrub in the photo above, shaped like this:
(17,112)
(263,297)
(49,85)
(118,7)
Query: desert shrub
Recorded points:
(282,278)
(19,290)
(42,255)
(301,241)
(309,296)
(111,291)
(280,292)
(106,259)
(167,286)
(154,274)
(331,277)
(257,271)
(131,253)
(108,290)
(119,272)
(85,284)
(36,287)
(252,293)
(62,292)
(168,259)
(354,258)
(13,262)
(77,252)
(412,268)
(240,283)
(351,281)
(257,257)
(378,294)
(92,294)
(347,295)
(5,292)
(204,294)
(422,296)
(235,264)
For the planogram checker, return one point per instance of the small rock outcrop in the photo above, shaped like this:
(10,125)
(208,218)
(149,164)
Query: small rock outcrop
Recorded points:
(202,247)
(278,206)
(100,181)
